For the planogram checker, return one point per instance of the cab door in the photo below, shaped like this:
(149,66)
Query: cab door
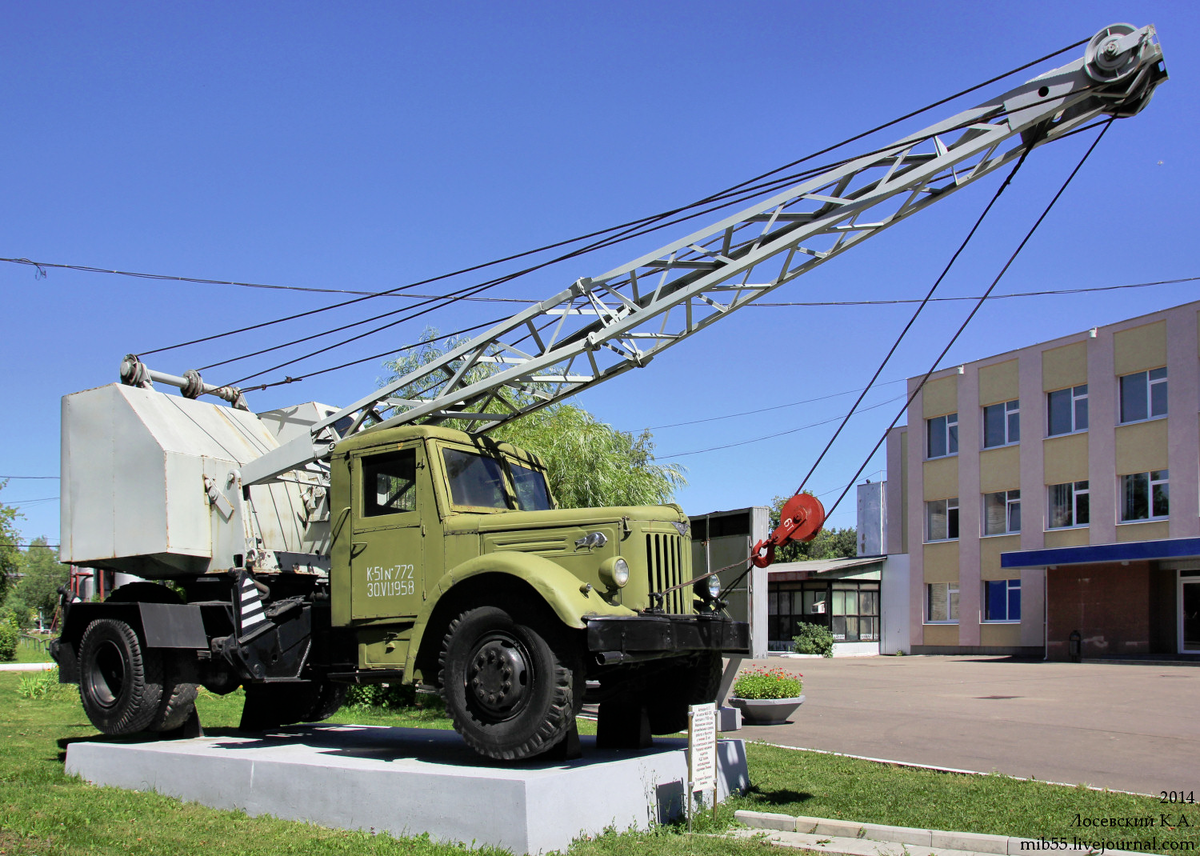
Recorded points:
(387,568)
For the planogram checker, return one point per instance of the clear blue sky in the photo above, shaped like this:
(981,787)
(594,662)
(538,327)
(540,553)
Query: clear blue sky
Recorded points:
(364,146)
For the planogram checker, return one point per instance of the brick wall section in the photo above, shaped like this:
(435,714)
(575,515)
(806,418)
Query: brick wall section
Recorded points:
(1108,604)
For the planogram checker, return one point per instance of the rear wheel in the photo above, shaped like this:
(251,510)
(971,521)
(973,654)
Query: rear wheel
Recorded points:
(510,691)
(120,683)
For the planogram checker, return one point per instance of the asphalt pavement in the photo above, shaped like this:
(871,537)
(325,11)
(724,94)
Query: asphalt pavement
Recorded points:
(1124,727)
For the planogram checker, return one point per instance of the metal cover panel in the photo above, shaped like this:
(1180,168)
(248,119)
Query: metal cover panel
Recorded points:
(173,625)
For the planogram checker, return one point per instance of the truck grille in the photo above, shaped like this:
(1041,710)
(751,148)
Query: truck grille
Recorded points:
(665,566)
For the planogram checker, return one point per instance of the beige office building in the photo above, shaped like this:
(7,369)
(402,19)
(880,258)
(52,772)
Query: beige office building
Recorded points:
(1048,499)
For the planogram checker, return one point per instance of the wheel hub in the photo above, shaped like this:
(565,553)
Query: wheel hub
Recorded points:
(496,676)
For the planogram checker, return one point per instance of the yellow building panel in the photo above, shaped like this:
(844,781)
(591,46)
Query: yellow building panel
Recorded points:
(1143,531)
(1000,635)
(941,562)
(1000,469)
(999,382)
(1066,537)
(989,556)
(941,634)
(941,478)
(940,397)
(1065,459)
(1140,348)
(1065,366)
(1142,447)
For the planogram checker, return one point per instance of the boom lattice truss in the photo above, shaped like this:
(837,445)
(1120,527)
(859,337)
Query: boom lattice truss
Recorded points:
(601,327)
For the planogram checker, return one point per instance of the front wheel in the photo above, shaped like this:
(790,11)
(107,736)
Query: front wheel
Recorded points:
(510,693)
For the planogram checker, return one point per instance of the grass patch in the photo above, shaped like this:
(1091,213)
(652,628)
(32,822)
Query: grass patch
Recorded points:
(810,783)
(31,652)
(43,811)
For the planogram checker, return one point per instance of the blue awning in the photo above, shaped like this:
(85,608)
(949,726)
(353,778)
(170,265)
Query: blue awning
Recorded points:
(1126,551)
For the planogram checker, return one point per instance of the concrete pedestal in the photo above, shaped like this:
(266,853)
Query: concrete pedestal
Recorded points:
(408,781)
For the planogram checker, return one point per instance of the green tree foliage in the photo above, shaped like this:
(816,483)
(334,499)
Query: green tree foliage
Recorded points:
(10,554)
(590,463)
(42,574)
(829,543)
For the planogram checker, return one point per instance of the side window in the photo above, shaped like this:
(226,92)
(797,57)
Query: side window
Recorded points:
(1067,410)
(942,434)
(390,483)
(1001,424)
(1144,395)
(532,493)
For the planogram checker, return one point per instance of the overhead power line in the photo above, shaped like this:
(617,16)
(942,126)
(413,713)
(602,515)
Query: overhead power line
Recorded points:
(933,367)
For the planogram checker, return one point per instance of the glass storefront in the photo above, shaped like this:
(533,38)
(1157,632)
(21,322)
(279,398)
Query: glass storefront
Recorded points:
(849,608)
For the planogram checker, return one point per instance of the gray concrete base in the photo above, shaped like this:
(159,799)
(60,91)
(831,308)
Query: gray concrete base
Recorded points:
(407,781)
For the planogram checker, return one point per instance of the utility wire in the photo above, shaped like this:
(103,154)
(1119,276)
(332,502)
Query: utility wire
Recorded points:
(29,477)
(763,409)
(633,224)
(921,384)
(916,314)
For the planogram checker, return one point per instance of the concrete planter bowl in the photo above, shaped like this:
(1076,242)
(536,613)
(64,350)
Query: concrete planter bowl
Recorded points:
(767,711)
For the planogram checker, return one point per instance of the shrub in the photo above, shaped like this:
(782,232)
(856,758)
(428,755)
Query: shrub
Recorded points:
(37,685)
(767,683)
(813,639)
(391,697)
(10,635)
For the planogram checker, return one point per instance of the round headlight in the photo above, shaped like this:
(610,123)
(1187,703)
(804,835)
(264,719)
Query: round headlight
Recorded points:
(615,571)
(714,586)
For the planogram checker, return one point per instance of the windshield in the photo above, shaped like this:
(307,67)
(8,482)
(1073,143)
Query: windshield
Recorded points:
(532,493)
(474,480)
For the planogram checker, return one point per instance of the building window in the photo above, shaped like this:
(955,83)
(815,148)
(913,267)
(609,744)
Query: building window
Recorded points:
(941,605)
(1001,424)
(1069,505)
(850,609)
(1002,512)
(1144,395)
(1145,496)
(1068,410)
(1002,600)
(941,518)
(943,436)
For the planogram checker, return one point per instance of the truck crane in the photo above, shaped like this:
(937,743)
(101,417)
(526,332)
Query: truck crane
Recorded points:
(297,551)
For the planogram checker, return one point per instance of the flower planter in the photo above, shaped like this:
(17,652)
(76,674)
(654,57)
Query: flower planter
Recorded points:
(767,711)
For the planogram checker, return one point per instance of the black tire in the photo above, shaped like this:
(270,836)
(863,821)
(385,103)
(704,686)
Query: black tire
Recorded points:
(695,682)
(510,693)
(275,705)
(178,701)
(329,700)
(120,683)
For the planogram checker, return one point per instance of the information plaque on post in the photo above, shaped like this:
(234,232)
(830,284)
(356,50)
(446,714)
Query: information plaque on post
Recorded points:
(702,752)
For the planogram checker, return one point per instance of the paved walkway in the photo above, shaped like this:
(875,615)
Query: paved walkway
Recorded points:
(25,667)
(1126,727)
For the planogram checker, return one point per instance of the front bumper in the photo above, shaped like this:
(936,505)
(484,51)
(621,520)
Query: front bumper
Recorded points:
(623,638)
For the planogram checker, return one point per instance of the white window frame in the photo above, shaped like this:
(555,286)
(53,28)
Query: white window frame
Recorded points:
(1012,423)
(1150,382)
(1008,590)
(1076,492)
(1154,478)
(951,506)
(949,421)
(1076,395)
(1012,502)
(951,618)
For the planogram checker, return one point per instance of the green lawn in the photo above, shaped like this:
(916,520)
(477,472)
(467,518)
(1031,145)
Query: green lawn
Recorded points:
(30,652)
(43,811)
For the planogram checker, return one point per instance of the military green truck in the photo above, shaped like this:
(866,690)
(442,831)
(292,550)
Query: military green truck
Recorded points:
(298,551)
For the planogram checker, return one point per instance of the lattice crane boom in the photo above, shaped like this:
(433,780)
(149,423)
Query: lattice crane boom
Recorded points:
(603,326)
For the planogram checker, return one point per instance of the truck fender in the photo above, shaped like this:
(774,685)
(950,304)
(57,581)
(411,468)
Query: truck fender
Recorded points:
(558,588)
